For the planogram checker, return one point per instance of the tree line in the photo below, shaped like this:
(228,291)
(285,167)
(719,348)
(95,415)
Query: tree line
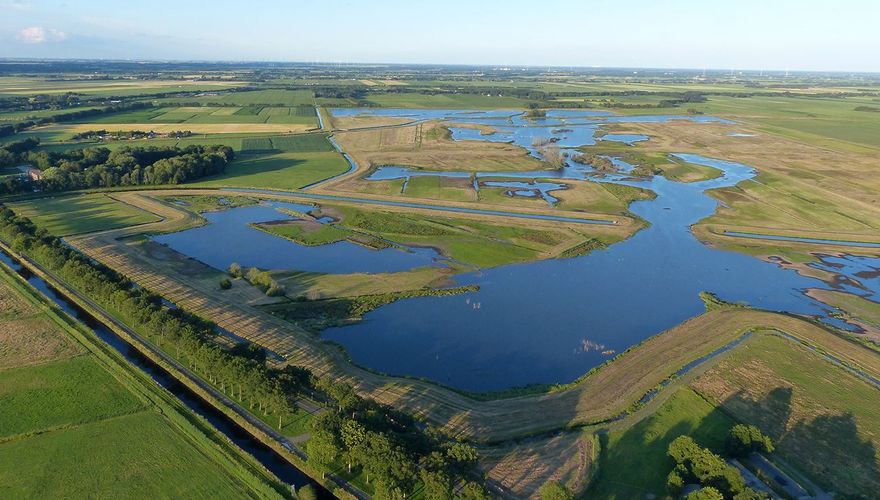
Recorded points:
(14,128)
(394,451)
(101,167)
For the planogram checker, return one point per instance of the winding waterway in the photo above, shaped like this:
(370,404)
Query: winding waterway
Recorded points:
(551,321)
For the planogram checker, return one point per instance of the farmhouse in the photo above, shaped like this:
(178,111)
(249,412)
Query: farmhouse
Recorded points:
(34,174)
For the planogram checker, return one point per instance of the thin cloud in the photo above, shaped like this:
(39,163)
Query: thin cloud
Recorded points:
(37,34)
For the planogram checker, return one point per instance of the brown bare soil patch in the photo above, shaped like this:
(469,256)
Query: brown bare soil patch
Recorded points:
(33,341)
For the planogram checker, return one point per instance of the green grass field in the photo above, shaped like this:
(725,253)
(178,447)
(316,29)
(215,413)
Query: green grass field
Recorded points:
(452,101)
(475,242)
(63,393)
(262,97)
(311,235)
(279,171)
(66,215)
(297,114)
(633,461)
(135,455)
(75,424)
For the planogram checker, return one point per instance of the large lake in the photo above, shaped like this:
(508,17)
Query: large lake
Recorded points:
(551,321)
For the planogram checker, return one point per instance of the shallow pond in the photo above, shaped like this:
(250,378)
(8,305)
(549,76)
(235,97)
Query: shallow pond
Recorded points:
(228,237)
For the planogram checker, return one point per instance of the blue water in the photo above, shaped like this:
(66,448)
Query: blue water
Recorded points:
(548,321)
(551,321)
(528,189)
(228,238)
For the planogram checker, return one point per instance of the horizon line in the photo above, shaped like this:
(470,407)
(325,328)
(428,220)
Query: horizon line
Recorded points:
(4,59)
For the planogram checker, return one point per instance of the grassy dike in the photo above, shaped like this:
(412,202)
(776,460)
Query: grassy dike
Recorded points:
(197,430)
(192,382)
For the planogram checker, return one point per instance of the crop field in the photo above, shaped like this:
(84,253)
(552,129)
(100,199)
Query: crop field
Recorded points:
(186,115)
(63,412)
(64,131)
(67,215)
(59,140)
(261,98)
(448,101)
(283,171)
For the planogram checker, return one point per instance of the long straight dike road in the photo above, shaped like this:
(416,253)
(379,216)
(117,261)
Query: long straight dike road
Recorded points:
(182,373)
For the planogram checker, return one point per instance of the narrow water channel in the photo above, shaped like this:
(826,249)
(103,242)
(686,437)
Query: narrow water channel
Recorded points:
(268,457)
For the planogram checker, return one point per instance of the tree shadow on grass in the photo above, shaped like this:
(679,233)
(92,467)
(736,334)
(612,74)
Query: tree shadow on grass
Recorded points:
(636,464)
(827,447)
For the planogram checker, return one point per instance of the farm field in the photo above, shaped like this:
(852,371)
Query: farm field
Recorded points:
(64,412)
(67,215)
(187,115)
(26,86)
(284,171)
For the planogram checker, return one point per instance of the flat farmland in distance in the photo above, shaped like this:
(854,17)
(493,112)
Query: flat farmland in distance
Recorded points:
(25,86)
(302,114)
(279,171)
(452,101)
(63,131)
(262,97)
(302,143)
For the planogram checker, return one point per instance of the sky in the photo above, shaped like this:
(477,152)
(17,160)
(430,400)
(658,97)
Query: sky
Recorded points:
(833,35)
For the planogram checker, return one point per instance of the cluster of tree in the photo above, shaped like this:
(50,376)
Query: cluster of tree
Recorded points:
(38,102)
(553,155)
(535,112)
(104,135)
(11,154)
(129,166)
(554,490)
(6,130)
(646,170)
(697,465)
(745,439)
(870,109)
(13,128)
(260,279)
(600,163)
(391,449)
